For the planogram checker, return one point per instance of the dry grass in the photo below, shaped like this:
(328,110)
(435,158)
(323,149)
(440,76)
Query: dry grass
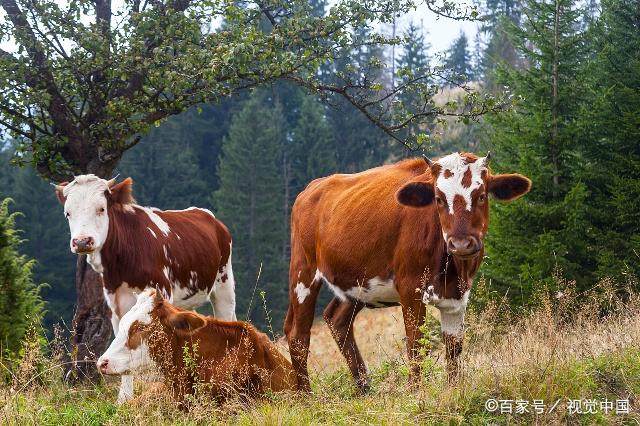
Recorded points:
(565,348)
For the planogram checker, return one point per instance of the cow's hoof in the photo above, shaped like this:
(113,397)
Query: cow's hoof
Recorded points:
(364,387)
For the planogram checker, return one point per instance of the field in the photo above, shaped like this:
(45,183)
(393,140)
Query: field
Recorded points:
(564,349)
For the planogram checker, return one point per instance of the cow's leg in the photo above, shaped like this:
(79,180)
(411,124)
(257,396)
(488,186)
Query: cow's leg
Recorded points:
(223,294)
(413,313)
(452,326)
(120,302)
(340,316)
(303,293)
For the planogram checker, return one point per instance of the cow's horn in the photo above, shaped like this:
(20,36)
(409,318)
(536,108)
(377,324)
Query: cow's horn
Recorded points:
(59,188)
(112,181)
(485,161)
(427,160)
(157,297)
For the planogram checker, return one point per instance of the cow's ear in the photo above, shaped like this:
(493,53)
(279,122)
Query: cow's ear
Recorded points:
(185,321)
(122,192)
(416,194)
(509,187)
(59,189)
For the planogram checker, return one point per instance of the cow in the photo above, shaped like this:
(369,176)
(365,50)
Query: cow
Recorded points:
(192,351)
(184,253)
(409,233)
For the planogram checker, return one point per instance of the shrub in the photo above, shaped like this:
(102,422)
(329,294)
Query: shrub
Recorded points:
(20,303)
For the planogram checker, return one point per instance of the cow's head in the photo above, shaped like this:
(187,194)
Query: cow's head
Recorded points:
(86,201)
(460,184)
(151,314)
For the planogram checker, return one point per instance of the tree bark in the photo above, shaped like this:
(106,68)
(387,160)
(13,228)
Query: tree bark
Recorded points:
(91,323)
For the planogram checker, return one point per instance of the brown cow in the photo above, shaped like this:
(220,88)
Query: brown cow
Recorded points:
(184,253)
(408,233)
(192,350)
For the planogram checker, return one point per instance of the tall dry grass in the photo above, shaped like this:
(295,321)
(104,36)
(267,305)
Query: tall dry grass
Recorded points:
(568,345)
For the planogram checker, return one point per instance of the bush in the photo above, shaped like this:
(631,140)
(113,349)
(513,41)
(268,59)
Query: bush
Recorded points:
(20,303)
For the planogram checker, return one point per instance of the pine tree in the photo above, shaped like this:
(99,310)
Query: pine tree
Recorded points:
(500,14)
(413,61)
(359,143)
(531,237)
(458,60)
(611,121)
(45,235)
(250,202)
(312,148)
(20,303)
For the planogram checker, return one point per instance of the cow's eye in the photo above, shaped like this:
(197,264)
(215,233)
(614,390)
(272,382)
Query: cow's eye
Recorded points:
(101,210)
(482,198)
(67,215)
(440,201)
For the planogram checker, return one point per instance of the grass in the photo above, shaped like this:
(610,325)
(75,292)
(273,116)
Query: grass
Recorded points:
(565,348)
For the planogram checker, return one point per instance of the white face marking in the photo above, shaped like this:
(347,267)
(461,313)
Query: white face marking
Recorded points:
(452,185)
(86,209)
(302,292)
(120,359)
(157,220)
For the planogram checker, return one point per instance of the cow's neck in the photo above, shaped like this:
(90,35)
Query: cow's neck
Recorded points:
(455,275)
(118,252)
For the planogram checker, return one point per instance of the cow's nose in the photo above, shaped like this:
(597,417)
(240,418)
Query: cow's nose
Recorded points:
(465,246)
(102,365)
(83,243)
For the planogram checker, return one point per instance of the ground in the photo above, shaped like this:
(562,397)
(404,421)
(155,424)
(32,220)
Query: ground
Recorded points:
(574,358)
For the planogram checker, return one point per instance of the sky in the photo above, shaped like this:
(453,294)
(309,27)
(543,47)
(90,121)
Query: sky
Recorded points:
(439,31)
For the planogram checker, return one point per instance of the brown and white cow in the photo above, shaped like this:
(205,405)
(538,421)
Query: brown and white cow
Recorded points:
(184,253)
(224,358)
(409,233)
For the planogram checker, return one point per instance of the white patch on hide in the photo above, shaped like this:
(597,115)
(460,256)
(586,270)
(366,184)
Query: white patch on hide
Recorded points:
(378,292)
(152,233)
(223,292)
(302,292)
(157,220)
(452,314)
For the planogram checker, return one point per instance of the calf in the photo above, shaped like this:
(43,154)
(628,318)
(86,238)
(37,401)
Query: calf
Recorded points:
(192,350)
(408,233)
(184,253)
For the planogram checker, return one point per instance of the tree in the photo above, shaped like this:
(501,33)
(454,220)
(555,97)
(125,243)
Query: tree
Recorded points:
(610,119)
(20,302)
(540,139)
(250,202)
(87,81)
(414,61)
(458,61)
(499,15)
(45,237)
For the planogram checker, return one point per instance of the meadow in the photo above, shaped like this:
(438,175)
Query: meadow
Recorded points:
(568,347)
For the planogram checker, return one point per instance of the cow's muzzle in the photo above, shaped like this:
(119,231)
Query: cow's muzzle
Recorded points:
(83,245)
(465,247)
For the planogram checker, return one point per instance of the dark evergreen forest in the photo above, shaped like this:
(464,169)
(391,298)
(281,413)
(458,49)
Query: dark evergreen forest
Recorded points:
(572,72)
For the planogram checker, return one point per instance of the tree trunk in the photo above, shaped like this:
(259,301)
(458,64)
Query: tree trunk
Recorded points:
(554,98)
(92,319)
(91,323)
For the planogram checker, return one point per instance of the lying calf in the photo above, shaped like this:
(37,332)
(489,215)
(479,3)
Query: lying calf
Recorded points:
(192,350)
